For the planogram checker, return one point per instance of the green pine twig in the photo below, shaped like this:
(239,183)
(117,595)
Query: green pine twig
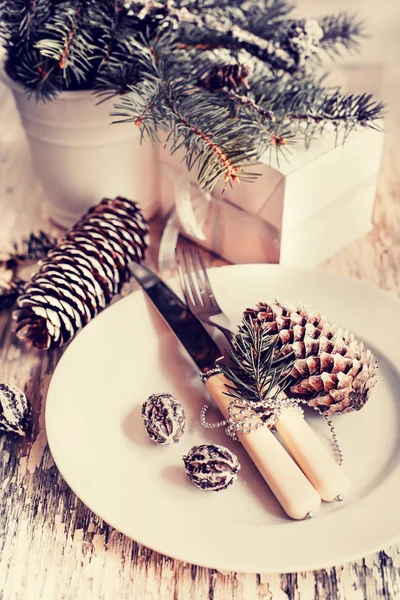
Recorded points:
(341,32)
(260,371)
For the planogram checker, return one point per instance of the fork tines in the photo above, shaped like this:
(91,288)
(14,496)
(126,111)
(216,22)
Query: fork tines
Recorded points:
(194,280)
(198,292)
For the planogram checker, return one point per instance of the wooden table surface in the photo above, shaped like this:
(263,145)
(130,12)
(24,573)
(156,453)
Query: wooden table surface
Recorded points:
(51,546)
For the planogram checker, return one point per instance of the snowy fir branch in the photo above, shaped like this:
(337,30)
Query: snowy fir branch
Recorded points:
(225,79)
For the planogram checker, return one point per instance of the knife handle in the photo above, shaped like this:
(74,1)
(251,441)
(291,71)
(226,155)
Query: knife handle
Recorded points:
(312,457)
(290,486)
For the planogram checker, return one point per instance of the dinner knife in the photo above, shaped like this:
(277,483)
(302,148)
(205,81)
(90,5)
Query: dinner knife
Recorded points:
(290,486)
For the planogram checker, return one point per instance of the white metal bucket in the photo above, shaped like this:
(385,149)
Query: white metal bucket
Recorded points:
(80,157)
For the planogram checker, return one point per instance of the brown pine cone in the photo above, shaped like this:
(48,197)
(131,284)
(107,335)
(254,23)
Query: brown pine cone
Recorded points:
(230,76)
(81,274)
(333,371)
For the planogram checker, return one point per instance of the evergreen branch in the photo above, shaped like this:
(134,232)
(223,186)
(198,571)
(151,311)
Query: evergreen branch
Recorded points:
(276,137)
(68,41)
(21,18)
(216,151)
(41,78)
(119,75)
(260,371)
(231,172)
(342,110)
(340,31)
(70,51)
(244,100)
(32,248)
(310,103)
(28,15)
(141,107)
(227,79)
(230,78)
(200,46)
(9,292)
(264,16)
(117,81)
(229,34)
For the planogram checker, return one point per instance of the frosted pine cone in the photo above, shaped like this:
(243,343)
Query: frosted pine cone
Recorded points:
(81,274)
(333,371)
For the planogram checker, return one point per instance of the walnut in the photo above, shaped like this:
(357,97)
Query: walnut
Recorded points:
(211,467)
(15,410)
(163,418)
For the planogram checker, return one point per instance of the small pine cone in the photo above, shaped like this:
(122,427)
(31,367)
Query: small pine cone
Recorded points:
(333,371)
(81,274)
(231,77)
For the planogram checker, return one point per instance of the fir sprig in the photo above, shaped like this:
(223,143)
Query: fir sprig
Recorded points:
(33,247)
(340,32)
(9,292)
(18,253)
(161,61)
(260,372)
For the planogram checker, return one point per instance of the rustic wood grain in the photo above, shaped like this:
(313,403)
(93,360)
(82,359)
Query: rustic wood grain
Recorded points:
(54,548)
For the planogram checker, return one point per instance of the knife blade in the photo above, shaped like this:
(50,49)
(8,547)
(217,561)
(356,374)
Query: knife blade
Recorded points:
(286,480)
(186,327)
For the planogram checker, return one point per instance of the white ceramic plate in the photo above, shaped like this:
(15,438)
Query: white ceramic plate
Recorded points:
(99,444)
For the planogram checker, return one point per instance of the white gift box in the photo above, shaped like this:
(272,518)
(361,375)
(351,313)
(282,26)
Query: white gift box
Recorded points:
(298,213)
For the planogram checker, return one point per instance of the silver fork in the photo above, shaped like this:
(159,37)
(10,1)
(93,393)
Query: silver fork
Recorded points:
(198,293)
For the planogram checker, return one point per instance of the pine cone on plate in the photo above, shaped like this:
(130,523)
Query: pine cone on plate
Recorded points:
(81,274)
(333,371)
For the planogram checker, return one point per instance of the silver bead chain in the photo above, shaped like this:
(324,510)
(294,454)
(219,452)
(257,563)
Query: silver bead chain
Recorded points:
(205,423)
(337,447)
(239,422)
(244,423)
(243,419)
(335,442)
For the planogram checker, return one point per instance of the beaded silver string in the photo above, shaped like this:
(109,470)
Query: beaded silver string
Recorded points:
(335,442)
(244,418)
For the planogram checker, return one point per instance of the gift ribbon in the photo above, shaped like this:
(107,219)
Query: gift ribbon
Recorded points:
(188,215)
